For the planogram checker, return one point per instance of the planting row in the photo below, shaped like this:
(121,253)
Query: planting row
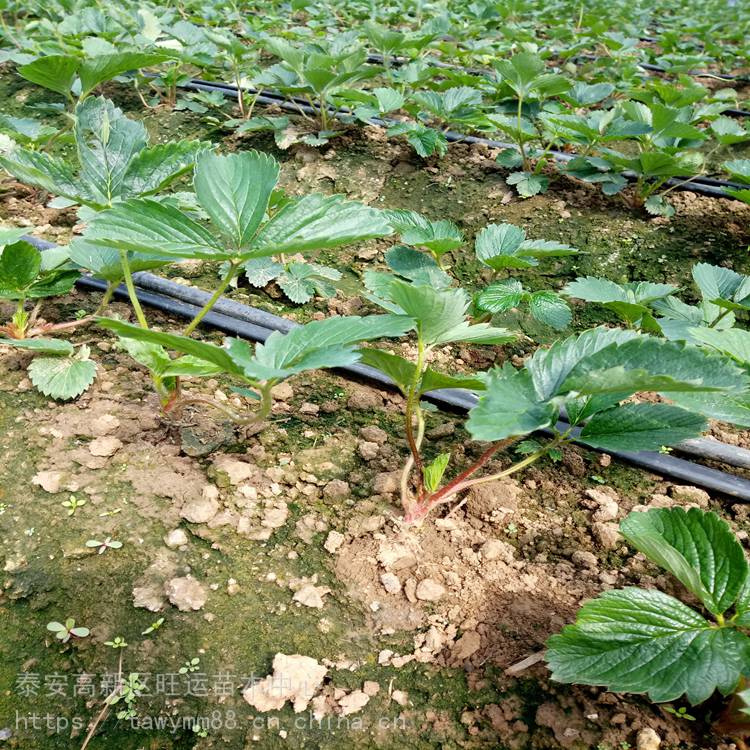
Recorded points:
(699,366)
(630,126)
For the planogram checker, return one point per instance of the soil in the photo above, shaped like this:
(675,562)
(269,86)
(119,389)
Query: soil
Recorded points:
(256,572)
(288,541)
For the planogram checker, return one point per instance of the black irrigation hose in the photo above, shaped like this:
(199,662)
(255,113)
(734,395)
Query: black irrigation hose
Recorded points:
(165,302)
(701,185)
(237,319)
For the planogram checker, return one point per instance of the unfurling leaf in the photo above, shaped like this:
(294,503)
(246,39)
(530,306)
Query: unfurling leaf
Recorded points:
(434,471)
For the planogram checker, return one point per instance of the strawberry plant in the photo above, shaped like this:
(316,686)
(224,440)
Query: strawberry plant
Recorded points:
(664,137)
(114,159)
(235,192)
(590,375)
(437,237)
(524,77)
(438,316)
(655,308)
(503,247)
(316,345)
(26,275)
(75,77)
(391,42)
(637,640)
(316,71)
(457,106)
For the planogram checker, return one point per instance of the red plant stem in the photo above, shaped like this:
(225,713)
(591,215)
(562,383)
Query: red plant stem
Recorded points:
(449,488)
(421,509)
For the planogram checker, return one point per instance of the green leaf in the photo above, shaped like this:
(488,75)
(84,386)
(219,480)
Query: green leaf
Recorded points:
(510,158)
(52,284)
(696,547)
(388,99)
(101,68)
(301,281)
(509,408)
(433,472)
(432,380)
(501,296)
(585,94)
(107,142)
(497,245)
(548,308)
(62,378)
(54,72)
(158,229)
(9,235)
(728,131)
(153,356)
(319,344)
(716,282)
(658,205)
(522,73)
(742,606)
(418,267)
(438,237)
(427,141)
(734,342)
(43,346)
(105,262)
(641,427)
(440,315)
(261,271)
(200,349)
(619,296)
(20,264)
(234,190)
(501,246)
(549,368)
(638,641)
(740,195)
(733,408)
(739,169)
(594,289)
(528,184)
(435,311)
(155,167)
(190,366)
(651,364)
(401,371)
(316,222)
(44,171)
(398,369)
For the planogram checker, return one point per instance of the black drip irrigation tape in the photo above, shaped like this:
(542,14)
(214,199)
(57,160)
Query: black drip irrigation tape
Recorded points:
(702,185)
(246,322)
